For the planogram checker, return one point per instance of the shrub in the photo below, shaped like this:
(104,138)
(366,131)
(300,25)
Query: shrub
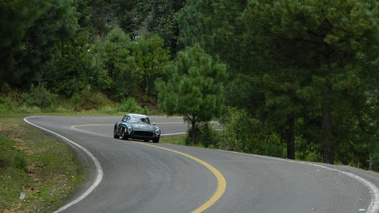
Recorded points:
(242,133)
(130,105)
(206,135)
(39,97)
(75,101)
(5,105)
(108,109)
(88,100)
(26,109)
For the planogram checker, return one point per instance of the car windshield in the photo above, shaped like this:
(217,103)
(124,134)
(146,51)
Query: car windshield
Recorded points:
(137,119)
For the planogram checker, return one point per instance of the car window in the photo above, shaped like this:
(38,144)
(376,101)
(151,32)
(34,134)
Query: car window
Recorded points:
(145,120)
(137,119)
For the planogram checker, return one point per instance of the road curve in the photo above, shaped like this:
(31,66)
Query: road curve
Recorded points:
(133,176)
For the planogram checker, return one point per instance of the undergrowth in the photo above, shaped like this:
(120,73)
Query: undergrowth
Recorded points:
(31,164)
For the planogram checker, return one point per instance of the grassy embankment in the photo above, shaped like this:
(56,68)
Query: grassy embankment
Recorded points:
(36,164)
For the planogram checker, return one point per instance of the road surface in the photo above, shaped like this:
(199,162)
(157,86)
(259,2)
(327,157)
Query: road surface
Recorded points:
(135,176)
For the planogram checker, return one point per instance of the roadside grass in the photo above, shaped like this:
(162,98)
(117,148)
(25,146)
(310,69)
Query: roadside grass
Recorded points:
(178,140)
(36,164)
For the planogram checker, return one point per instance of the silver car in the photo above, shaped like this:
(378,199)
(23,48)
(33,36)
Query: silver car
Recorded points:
(136,126)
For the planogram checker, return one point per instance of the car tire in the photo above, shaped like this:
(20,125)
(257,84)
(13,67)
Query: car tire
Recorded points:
(156,140)
(115,135)
(124,135)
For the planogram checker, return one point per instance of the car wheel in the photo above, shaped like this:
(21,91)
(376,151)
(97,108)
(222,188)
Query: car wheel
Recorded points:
(156,140)
(124,135)
(115,135)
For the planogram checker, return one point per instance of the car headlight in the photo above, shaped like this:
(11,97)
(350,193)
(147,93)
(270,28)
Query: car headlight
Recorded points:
(129,128)
(157,132)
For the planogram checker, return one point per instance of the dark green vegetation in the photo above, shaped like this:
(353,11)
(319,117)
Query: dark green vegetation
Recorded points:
(31,163)
(296,79)
(194,88)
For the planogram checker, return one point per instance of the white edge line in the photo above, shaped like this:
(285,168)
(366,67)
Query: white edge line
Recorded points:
(374,191)
(99,170)
(173,134)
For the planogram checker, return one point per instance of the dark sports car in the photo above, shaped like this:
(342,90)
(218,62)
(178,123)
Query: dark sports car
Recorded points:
(138,127)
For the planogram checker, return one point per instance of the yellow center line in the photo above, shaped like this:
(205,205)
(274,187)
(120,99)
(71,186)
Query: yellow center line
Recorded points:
(84,125)
(220,178)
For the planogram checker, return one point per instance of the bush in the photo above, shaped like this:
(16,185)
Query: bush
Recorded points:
(26,109)
(5,105)
(39,97)
(206,135)
(108,109)
(88,100)
(131,105)
(242,133)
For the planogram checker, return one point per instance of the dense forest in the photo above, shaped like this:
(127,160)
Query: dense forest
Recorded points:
(287,78)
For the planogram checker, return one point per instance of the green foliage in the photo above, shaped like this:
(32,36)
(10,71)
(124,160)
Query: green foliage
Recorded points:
(151,57)
(74,69)
(42,26)
(119,63)
(128,67)
(16,18)
(39,97)
(375,157)
(241,133)
(307,150)
(12,171)
(88,99)
(160,18)
(6,105)
(206,135)
(216,27)
(20,161)
(130,105)
(322,40)
(193,87)
(9,153)
(304,71)
(33,164)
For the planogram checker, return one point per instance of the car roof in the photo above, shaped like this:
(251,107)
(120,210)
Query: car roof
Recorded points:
(137,115)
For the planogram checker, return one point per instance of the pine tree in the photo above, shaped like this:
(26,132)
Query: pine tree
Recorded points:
(193,87)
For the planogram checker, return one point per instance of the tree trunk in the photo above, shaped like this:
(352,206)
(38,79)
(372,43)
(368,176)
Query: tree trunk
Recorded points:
(193,130)
(328,154)
(290,135)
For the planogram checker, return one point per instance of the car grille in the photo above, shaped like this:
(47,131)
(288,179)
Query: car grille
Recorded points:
(143,134)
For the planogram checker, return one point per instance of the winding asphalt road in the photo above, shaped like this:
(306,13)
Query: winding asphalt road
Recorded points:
(134,176)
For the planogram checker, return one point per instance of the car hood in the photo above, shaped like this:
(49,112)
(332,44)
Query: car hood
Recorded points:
(142,127)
